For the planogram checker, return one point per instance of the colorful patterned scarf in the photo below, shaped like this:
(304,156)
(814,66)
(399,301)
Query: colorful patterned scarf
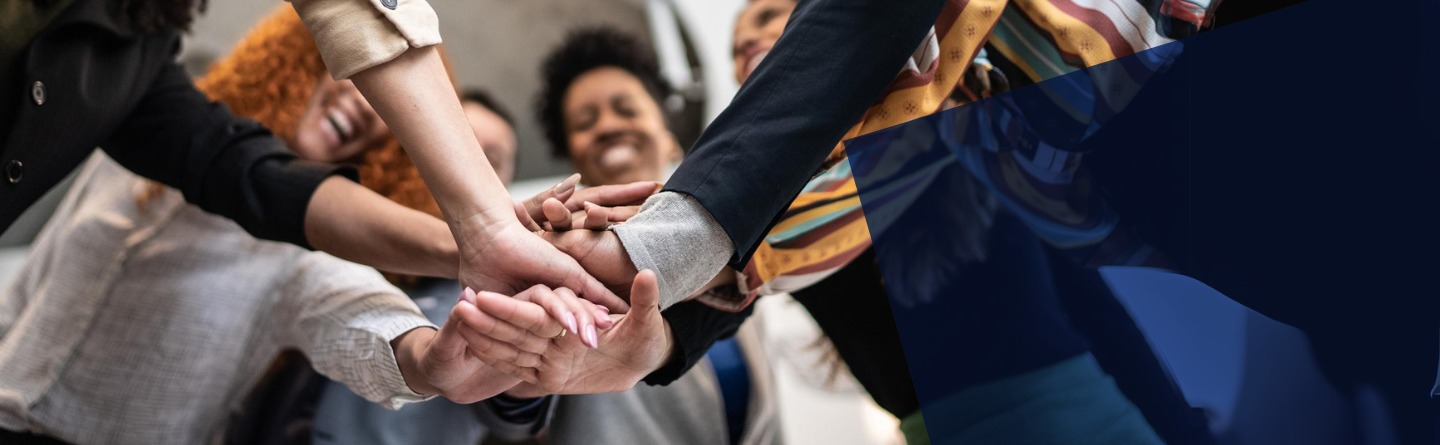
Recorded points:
(825,227)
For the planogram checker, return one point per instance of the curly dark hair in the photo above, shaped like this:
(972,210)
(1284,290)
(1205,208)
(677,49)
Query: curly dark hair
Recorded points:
(584,50)
(150,15)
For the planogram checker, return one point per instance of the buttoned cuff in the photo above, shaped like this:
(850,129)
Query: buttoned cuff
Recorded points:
(380,379)
(389,373)
(355,35)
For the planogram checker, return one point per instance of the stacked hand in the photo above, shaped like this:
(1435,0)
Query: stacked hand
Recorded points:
(556,208)
(538,338)
(492,248)
(493,342)
(637,344)
(553,216)
(508,259)
(498,254)
(473,356)
(582,233)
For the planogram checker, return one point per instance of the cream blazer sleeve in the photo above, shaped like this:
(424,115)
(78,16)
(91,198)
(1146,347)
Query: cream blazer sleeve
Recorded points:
(354,35)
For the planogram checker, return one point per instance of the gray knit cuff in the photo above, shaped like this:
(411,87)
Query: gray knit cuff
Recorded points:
(677,238)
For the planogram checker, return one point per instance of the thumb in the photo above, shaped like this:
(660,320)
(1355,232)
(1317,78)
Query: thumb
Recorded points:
(449,344)
(645,293)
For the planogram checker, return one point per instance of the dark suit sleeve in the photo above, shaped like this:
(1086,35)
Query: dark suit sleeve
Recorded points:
(226,165)
(833,62)
(694,327)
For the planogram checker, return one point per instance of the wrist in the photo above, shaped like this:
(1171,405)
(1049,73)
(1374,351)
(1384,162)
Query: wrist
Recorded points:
(410,349)
(478,228)
(444,253)
(667,343)
(484,217)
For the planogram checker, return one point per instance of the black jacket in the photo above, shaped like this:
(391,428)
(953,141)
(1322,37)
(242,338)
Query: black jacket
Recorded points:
(832,63)
(91,79)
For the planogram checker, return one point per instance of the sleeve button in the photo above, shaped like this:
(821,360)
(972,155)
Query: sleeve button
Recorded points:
(14,171)
(37,92)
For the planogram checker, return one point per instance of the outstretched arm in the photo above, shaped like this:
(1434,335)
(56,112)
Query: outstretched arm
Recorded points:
(390,53)
(413,94)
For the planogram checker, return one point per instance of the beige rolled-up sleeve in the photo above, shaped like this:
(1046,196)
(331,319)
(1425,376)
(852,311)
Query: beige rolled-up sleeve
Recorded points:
(355,35)
(344,316)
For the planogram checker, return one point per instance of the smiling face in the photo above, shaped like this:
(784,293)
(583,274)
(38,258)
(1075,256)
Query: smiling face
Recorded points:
(756,31)
(615,130)
(338,124)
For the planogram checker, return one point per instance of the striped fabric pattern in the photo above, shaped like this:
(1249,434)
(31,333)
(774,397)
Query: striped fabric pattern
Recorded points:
(825,228)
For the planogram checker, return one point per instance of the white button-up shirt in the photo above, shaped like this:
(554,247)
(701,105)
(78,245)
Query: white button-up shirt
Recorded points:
(151,324)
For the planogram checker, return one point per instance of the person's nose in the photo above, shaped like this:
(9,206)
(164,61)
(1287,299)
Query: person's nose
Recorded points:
(609,122)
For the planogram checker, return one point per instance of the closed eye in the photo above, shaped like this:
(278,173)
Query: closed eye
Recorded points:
(584,118)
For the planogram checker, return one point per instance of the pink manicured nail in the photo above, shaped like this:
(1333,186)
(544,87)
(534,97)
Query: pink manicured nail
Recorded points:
(601,314)
(570,322)
(591,338)
(468,295)
(567,184)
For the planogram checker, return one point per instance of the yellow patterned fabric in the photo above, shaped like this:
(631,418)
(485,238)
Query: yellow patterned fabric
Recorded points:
(825,228)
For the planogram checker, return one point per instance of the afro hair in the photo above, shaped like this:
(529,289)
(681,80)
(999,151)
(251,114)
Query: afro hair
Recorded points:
(585,50)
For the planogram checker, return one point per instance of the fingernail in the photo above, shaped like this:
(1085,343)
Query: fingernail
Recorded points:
(567,184)
(591,338)
(603,308)
(602,314)
(468,295)
(570,322)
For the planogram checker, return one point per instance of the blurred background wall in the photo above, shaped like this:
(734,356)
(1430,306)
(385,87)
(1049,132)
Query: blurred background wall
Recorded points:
(497,45)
